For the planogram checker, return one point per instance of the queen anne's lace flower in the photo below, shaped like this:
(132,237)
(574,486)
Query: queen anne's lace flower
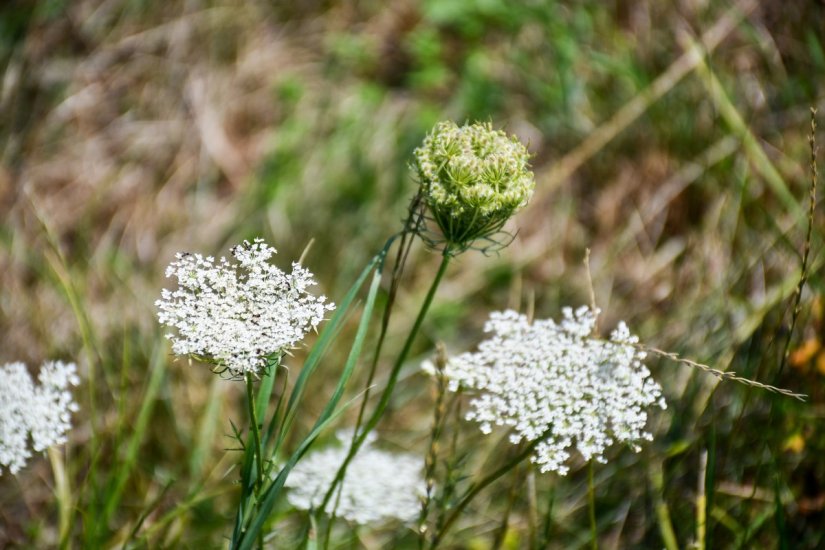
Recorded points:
(42,411)
(474,178)
(239,316)
(553,382)
(378,486)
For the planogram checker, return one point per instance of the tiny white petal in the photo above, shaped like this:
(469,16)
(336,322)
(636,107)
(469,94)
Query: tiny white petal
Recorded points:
(40,412)
(378,485)
(554,382)
(237,315)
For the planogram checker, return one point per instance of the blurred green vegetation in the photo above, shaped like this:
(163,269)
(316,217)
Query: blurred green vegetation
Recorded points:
(131,129)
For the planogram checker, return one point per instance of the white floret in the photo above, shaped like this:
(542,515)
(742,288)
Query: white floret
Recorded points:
(379,485)
(554,383)
(238,316)
(39,414)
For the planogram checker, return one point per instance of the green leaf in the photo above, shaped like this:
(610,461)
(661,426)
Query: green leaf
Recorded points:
(331,330)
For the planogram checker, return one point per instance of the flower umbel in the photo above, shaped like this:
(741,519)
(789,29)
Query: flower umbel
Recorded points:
(239,316)
(378,486)
(473,178)
(555,383)
(40,411)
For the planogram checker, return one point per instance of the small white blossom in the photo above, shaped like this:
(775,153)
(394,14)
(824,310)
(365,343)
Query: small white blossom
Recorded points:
(378,485)
(41,412)
(553,382)
(237,316)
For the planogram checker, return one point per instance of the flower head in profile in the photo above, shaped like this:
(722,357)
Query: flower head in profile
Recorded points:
(239,316)
(39,414)
(379,485)
(554,383)
(474,178)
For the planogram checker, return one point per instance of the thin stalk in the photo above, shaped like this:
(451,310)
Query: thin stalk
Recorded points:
(501,532)
(480,485)
(803,274)
(532,507)
(431,460)
(591,506)
(256,435)
(414,219)
(662,513)
(393,378)
(63,494)
(701,502)
(452,466)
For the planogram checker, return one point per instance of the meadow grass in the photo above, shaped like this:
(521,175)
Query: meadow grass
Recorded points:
(670,142)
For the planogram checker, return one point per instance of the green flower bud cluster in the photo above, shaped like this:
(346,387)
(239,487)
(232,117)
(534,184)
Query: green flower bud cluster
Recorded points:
(474,178)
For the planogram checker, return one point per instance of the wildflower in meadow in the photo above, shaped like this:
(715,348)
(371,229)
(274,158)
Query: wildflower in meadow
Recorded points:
(240,316)
(556,384)
(378,486)
(37,412)
(474,178)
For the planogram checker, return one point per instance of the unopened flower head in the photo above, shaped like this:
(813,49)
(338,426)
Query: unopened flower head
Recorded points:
(378,486)
(554,383)
(239,316)
(474,178)
(40,413)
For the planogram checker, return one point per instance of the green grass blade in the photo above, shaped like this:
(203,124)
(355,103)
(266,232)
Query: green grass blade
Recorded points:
(158,373)
(208,428)
(358,343)
(247,539)
(276,415)
(265,387)
(331,330)
(357,346)
(710,483)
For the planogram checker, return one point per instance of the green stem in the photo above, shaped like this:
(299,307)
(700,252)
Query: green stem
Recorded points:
(256,435)
(591,505)
(393,378)
(479,486)
(400,261)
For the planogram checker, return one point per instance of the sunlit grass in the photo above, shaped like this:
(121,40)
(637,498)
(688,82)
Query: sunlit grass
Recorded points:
(132,130)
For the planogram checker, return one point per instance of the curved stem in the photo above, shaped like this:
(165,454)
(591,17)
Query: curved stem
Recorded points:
(479,486)
(393,378)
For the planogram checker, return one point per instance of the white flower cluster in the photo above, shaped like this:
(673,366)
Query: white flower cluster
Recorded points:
(553,382)
(378,485)
(474,178)
(42,411)
(238,316)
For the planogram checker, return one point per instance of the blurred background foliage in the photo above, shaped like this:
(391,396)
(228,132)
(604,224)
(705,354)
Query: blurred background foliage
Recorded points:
(132,129)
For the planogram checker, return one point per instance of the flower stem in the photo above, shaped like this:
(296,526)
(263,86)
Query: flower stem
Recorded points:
(479,486)
(256,435)
(63,495)
(393,378)
(591,506)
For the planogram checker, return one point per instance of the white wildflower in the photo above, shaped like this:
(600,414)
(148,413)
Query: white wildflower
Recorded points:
(553,382)
(378,486)
(39,412)
(239,316)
